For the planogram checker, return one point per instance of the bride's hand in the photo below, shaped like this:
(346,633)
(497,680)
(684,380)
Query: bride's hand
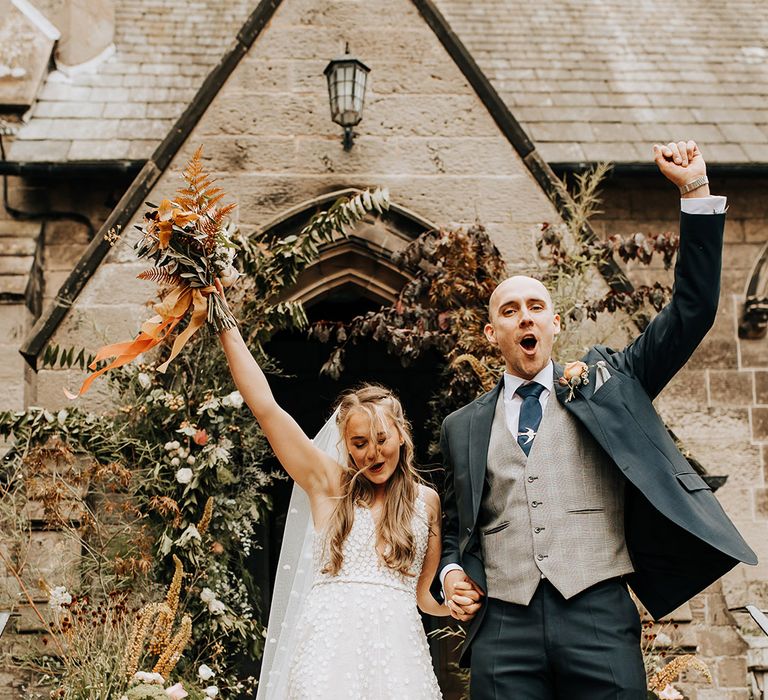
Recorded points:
(220,289)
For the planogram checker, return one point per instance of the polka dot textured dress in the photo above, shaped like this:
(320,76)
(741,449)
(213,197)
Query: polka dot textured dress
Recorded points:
(361,635)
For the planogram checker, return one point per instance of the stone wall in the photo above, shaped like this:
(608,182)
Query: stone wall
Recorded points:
(716,405)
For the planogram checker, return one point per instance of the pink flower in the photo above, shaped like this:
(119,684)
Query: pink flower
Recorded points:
(574,369)
(176,692)
(200,437)
(670,693)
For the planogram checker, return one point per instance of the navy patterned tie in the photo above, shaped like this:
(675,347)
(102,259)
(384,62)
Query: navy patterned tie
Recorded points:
(530,414)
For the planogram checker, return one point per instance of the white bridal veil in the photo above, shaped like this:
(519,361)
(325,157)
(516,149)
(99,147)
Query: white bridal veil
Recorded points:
(293,579)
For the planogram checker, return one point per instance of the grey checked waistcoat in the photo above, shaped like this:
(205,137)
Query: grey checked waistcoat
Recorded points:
(558,513)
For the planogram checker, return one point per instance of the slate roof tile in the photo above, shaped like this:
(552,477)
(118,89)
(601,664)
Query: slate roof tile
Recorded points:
(588,79)
(126,105)
(696,68)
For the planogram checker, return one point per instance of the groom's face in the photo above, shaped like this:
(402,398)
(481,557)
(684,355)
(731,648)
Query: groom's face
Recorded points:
(523,325)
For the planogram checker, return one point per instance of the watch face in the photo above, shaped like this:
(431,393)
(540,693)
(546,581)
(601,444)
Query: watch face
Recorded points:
(759,617)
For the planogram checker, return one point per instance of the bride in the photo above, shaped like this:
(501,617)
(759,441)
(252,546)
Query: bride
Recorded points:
(352,629)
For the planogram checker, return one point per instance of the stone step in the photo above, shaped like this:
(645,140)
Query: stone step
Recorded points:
(12,287)
(15,264)
(16,245)
(9,228)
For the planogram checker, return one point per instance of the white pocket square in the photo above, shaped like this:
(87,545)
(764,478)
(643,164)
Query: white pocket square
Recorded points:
(602,375)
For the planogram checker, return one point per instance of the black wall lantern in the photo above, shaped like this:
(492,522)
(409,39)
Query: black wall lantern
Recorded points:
(347,77)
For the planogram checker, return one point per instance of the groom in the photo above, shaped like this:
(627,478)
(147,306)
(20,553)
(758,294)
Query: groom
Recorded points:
(560,496)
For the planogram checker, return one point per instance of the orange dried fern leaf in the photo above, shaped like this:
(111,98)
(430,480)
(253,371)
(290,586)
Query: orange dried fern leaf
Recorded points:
(159,275)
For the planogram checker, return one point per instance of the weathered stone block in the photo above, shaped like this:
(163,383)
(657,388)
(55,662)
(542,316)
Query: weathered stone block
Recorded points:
(761,387)
(761,503)
(759,416)
(264,76)
(716,352)
(722,694)
(721,641)
(730,388)
(754,353)
(50,387)
(110,277)
(14,321)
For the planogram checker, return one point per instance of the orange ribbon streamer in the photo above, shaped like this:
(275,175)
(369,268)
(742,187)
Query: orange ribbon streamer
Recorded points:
(170,312)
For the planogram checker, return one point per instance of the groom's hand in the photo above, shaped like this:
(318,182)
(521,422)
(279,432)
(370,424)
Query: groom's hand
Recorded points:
(682,163)
(462,595)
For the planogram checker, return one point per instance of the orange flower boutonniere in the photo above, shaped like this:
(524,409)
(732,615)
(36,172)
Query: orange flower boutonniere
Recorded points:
(574,374)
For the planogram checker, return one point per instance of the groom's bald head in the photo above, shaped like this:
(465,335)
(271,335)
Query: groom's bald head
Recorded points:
(515,285)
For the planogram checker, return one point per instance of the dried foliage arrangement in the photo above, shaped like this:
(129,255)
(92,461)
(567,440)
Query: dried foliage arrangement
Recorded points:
(198,486)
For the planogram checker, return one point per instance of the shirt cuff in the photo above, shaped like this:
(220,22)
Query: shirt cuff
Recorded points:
(712,204)
(444,573)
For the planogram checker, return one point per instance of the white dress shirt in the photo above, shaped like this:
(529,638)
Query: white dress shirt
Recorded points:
(712,204)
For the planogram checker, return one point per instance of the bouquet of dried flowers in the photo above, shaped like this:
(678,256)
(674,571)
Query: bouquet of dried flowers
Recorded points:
(189,241)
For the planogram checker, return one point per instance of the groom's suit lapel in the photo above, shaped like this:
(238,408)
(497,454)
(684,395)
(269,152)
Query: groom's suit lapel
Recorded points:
(480,425)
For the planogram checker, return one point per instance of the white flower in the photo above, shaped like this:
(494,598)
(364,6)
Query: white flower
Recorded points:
(662,640)
(216,607)
(205,672)
(211,691)
(175,445)
(190,459)
(209,405)
(207,595)
(219,452)
(144,380)
(234,399)
(59,597)
(145,677)
(175,462)
(670,693)
(183,453)
(191,533)
(168,447)
(184,475)
(176,692)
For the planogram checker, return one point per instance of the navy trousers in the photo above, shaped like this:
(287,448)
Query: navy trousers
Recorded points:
(583,648)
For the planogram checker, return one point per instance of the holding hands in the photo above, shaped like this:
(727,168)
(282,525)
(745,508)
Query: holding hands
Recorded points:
(462,595)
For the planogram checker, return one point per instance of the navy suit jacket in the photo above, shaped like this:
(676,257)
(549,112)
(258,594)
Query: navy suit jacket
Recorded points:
(678,536)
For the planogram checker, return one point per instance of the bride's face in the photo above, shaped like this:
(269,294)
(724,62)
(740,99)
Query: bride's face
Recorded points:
(378,458)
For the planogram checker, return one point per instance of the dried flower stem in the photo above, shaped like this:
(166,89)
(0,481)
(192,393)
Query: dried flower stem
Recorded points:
(162,631)
(166,663)
(139,632)
(205,521)
(674,668)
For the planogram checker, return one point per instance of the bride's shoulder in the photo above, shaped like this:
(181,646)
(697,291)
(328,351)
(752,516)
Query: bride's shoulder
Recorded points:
(431,499)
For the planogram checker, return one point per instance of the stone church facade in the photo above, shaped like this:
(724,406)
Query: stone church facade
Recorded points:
(448,93)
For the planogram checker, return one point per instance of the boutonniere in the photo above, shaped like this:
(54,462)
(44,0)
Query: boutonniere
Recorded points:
(574,374)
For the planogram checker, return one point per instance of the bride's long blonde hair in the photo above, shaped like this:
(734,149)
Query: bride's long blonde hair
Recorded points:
(401,490)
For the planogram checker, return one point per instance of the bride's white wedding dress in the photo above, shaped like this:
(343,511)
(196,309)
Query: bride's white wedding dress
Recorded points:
(360,635)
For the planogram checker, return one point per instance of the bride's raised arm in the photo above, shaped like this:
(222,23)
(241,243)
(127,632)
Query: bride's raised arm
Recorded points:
(309,467)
